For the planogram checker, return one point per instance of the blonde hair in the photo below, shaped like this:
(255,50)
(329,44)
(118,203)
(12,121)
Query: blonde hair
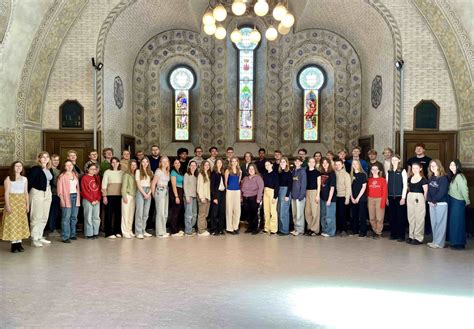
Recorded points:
(287,168)
(359,166)
(38,160)
(167,171)
(238,171)
(145,173)
(205,174)
(440,168)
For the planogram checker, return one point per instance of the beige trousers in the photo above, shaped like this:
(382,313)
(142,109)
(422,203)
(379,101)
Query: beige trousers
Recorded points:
(270,210)
(40,202)
(128,211)
(416,216)
(232,210)
(312,211)
(202,215)
(376,214)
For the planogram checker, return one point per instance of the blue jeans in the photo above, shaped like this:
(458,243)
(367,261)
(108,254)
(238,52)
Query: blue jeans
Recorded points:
(69,219)
(297,207)
(190,215)
(328,218)
(161,208)
(283,210)
(142,208)
(439,219)
(91,218)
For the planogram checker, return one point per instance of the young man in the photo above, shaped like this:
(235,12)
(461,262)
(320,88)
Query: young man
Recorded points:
(419,157)
(302,153)
(372,154)
(72,156)
(342,154)
(212,159)
(139,155)
(154,157)
(198,156)
(107,154)
(124,162)
(55,209)
(182,154)
(343,193)
(229,153)
(260,163)
(387,162)
(356,156)
(93,158)
(277,155)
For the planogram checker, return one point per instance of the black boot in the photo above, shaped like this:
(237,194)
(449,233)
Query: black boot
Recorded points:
(14,247)
(20,247)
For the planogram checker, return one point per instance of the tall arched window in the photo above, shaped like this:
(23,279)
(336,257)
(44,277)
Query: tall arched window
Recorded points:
(182,81)
(311,79)
(246,49)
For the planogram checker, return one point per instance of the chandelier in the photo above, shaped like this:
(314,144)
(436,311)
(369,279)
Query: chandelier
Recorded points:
(218,10)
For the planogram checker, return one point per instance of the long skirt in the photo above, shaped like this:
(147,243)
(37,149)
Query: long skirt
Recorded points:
(456,222)
(14,225)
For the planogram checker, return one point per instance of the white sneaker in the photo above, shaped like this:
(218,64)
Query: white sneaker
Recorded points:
(36,243)
(180,233)
(44,241)
(295,233)
(205,233)
(325,235)
(127,236)
(191,234)
(118,235)
(147,235)
(132,234)
(166,235)
(140,236)
(111,237)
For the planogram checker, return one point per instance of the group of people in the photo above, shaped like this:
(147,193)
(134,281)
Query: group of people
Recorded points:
(322,194)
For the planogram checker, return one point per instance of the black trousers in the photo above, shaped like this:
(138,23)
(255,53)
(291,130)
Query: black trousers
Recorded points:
(398,218)
(218,213)
(150,223)
(251,207)
(113,215)
(342,214)
(176,210)
(360,215)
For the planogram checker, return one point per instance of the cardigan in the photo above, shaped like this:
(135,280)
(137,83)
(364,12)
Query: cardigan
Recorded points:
(64,188)
(129,185)
(203,188)
(37,179)
(190,185)
(343,185)
(216,179)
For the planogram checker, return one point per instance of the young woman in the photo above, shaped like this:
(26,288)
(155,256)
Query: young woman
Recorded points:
(39,186)
(328,199)
(233,175)
(69,195)
(271,189)
(376,200)
(298,196)
(143,197)
(252,193)
(14,225)
(112,196)
(176,198)
(438,185)
(313,187)
(160,187)
(458,200)
(397,193)
(318,156)
(359,199)
(55,209)
(91,196)
(190,201)
(129,190)
(204,197)
(285,182)
(416,205)
(218,198)
(343,194)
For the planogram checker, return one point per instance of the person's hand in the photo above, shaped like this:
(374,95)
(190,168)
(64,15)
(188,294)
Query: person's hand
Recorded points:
(177,200)
(274,201)
(346,202)
(287,198)
(215,201)
(9,209)
(27,208)
(125,200)
(317,199)
(188,200)
(402,202)
(328,203)
(203,200)
(105,200)
(386,202)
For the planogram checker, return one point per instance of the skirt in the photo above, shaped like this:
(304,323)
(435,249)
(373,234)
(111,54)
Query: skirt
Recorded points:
(14,225)
(456,222)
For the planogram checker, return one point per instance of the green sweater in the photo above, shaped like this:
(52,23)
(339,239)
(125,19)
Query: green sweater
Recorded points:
(458,189)
(129,185)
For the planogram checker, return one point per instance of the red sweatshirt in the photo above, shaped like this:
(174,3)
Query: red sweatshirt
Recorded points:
(377,188)
(90,188)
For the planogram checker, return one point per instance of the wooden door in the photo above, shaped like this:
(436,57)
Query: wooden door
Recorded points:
(439,144)
(60,142)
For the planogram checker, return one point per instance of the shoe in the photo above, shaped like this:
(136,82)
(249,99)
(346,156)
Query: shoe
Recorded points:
(230,232)
(180,233)
(54,234)
(415,242)
(118,235)
(190,234)
(409,241)
(166,235)
(204,233)
(432,245)
(140,236)
(36,243)
(376,237)
(20,247)
(255,232)
(66,241)
(248,231)
(361,235)
(343,234)
(127,236)
(222,232)
(237,232)
(111,237)
(14,248)
(294,233)
(96,236)
(132,234)
(325,235)
(73,238)
(44,241)
(89,237)
(401,240)
(282,234)
(147,235)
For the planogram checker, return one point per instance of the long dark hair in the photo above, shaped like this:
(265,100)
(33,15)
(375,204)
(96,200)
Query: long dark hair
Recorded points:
(458,165)
(11,171)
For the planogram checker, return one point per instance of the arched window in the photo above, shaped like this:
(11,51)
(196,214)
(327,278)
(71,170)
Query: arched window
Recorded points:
(246,49)
(182,81)
(311,79)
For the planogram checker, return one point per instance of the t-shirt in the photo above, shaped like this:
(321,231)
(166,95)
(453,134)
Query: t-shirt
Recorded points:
(418,186)
(358,180)
(163,178)
(424,162)
(179,178)
(312,179)
(328,180)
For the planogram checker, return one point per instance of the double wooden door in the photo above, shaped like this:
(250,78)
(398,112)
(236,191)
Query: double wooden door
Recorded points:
(60,142)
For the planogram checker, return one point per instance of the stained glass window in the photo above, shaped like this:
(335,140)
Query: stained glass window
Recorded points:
(246,84)
(311,80)
(181,80)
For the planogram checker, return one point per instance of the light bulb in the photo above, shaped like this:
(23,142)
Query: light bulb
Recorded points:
(236,36)
(219,13)
(220,32)
(261,8)
(271,33)
(283,29)
(288,20)
(279,12)
(210,29)
(255,36)
(239,7)
(208,19)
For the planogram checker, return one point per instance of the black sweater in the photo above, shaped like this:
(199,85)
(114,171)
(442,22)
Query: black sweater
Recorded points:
(286,179)
(37,179)
(271,180)
(215,182)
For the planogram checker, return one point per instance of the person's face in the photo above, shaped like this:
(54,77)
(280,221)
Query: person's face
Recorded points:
(155,151)
(387,155)
(283,163)
(268,166)
(69,166)
(198,153)
(355,153)
(207,166)
(419,150)
(416,169)
(298,163)
(434,167)
(44,159)
(452,167)
(248,158)
(234,162)
(302,154)
(93,156)
(277,156)
(311,162)
(395,162)
(230,153)
(55,162)
(126,155)
(338,165)
(193,166)
(140,156)
(108,154)
(166,163)
(251,171)
(177,165)
(372,156)
(219,164)
(261,155)
(183,156)
(375,171)
(92,170)
(115,164)
(214,153)
(318,157)
(18,168)
(72,157)
(330,156)
(133,166)
(325,165)
(145,163)
(342,155)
